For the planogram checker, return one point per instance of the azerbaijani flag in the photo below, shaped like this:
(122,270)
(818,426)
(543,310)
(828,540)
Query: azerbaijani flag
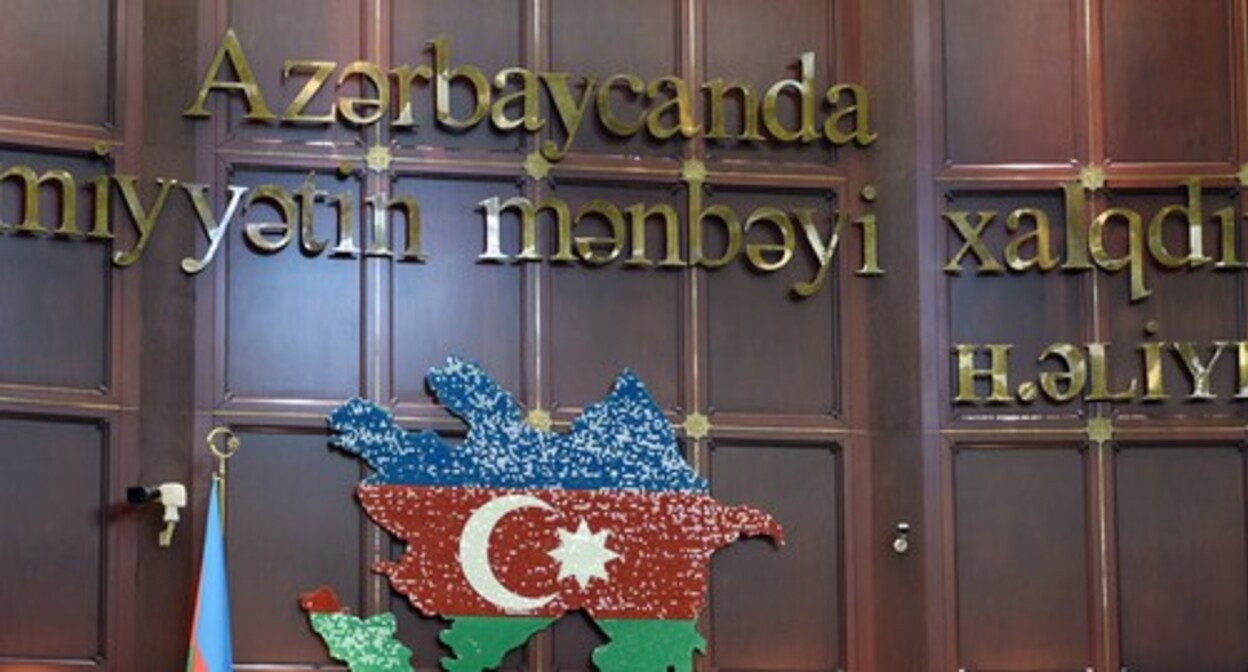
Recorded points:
(211,650)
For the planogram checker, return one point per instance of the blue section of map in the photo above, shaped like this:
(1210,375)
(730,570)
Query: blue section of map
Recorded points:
(622,443)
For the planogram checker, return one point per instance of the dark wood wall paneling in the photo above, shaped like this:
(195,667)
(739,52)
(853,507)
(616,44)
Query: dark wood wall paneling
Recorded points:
(1181,557)
(1003,103)
(68,365)
(603,321)
(1169,87)
(56,584)
(782,612)
(1024,585)
(293,326)
(1145,89)
(1059,551)
(61,323)
(294,335)
(453,304)
(286,537)
(769,354)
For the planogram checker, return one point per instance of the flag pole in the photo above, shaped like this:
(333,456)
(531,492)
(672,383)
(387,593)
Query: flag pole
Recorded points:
(232,445)
(211,646)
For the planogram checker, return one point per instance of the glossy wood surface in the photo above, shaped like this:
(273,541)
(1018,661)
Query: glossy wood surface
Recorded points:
(1035,546)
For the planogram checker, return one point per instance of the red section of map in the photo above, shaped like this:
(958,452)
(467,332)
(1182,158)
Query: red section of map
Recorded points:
(659,547)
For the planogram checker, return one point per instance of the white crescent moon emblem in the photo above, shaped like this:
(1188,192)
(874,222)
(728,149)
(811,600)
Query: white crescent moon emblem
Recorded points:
(474,553)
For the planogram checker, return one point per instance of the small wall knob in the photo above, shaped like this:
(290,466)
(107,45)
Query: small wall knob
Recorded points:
(901,539)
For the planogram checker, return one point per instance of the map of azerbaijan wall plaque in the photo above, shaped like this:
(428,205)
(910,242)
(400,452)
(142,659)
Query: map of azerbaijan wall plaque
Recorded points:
(514,527)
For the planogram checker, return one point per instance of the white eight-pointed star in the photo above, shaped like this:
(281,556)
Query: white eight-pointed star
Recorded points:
(583,555)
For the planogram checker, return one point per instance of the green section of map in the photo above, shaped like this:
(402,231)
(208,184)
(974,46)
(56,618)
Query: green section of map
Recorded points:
(648,645)
(480,642)
(367,645)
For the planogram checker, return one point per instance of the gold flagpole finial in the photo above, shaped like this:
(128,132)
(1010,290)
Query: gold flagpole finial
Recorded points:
(223,455)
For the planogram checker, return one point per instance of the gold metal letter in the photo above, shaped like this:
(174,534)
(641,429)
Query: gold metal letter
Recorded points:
(698,215)
(636,87)
(585,244)
(319,73)
(442,86)
(681,100)
(100,230)
(379,245)
(749,109)
(344,203)
(870,238)
(256,231)
(858,111)
(1154,374)
(997,372)
(349,107)
(215,231)
(1230,255)
(806,90)
(1098,356)
(1199,372)
(528,223)
(570,112)
(143,221)
(1044,256)
(403,77)
(1135,248)
(308,195)
(30,199)
(1074,377)
(1076,231)
(1193,213)
(755,251)
(824,252)
(526,96)
(961,221)
(257,109)
(639,215)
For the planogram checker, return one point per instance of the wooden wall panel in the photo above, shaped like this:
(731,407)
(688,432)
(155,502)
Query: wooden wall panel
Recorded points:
(762,43)
(417,632)
(1169,93)
(574,639)
(770,351)
(1181,558)
(1008,307)
(452,304)
(1023,563)
(57,315)
(53,490)
(607,37)
(76,85)
(293,334)
(780,609)
(293,323)
(328,30)
(293,526)
(604,320)
(1187,305)
(483,33)
(1002,103)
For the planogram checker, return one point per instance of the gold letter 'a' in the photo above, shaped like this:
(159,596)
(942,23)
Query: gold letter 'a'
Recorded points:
(257,110)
